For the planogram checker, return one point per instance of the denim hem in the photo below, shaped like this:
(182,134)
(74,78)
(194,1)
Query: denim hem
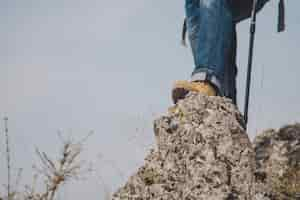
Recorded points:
(210,77)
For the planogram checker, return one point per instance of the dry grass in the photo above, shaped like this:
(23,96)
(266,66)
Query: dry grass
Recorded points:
(56,173)
(50,174)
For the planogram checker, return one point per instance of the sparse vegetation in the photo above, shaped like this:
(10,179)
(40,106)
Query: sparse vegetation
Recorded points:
(51,174)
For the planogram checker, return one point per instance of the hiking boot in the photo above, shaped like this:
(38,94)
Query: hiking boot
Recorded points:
(182,88)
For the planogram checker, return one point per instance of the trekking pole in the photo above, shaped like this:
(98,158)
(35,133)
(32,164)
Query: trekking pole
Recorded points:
(250,59)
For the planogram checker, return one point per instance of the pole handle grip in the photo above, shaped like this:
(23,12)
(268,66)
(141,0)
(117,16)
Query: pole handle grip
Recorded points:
(281,16)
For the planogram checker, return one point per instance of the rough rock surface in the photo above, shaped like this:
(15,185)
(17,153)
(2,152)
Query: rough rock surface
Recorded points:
(203,153)
(278,163)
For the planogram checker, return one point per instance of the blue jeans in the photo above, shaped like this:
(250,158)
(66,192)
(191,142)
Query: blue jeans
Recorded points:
(211,29)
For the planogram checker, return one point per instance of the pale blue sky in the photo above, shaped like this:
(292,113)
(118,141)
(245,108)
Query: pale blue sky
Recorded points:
(108,66)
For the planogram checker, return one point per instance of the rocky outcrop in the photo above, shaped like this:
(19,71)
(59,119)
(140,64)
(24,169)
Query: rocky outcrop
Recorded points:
(278,163)
(202,153)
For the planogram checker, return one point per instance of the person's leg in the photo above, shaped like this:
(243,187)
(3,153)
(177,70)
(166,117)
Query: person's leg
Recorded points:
(241,10)
(230,75)
(210,28)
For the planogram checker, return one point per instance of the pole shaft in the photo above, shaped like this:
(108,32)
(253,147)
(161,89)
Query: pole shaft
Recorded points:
(250,61)
(7,157)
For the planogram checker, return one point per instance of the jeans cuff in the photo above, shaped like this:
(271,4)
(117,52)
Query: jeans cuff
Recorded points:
(211,78)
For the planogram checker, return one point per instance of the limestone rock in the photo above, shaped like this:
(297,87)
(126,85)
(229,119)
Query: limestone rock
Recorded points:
(203,153)
(278,163)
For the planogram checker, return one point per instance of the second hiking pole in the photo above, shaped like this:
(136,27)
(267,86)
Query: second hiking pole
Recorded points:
(250,59)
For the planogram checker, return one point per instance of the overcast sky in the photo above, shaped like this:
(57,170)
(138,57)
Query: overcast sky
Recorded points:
(108,66)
